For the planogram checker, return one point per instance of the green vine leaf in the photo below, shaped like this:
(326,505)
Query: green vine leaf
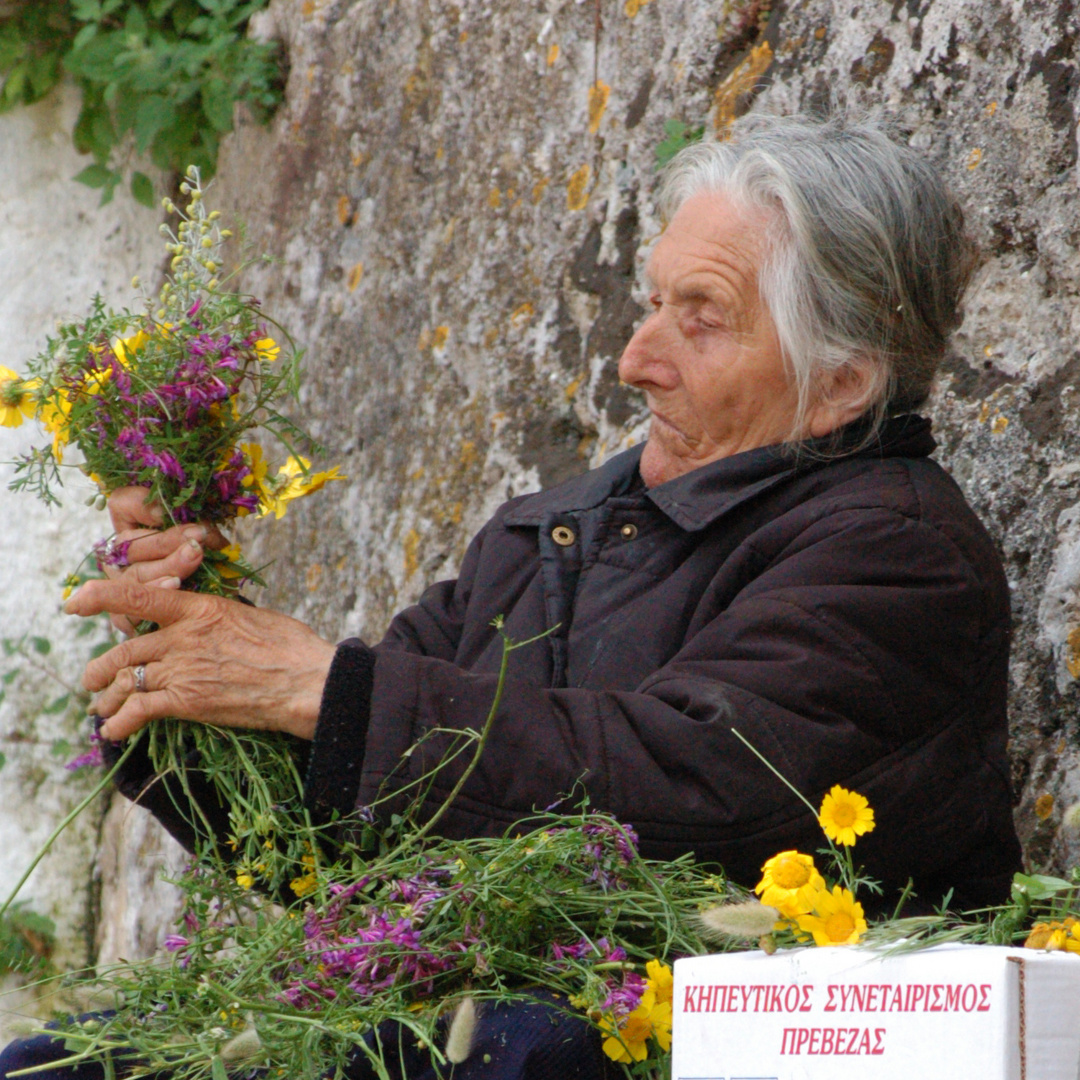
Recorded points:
(160,76)
(142,189)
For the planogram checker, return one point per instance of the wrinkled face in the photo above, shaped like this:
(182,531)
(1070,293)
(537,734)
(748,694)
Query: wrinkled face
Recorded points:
(708,357)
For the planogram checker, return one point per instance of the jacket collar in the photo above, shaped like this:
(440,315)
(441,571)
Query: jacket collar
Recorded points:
(695,500)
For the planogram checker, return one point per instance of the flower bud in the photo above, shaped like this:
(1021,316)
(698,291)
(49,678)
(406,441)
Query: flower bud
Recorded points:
(185,188)
(135,282)
(226,233)
(207,242)
(212,283)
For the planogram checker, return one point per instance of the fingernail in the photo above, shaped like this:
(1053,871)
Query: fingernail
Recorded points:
(196,532)
(169,583)
(192,549)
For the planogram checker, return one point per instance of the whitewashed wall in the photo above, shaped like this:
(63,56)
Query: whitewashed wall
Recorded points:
(57,248)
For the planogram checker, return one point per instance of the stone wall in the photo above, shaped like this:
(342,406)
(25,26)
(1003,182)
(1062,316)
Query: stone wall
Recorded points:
(459,199)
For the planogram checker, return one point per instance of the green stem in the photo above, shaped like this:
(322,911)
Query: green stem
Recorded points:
(102,784)
(500,685)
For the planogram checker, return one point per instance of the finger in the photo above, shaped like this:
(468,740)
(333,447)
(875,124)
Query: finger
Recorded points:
(129,509)
(123,623)
(136,600)
(112,698)
(149,545)
(102,671)
(137,712)
(181,563)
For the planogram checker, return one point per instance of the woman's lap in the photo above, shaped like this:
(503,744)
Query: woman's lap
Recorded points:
(520,1041)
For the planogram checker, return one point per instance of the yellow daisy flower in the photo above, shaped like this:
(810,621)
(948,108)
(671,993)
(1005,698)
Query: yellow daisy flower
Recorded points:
(790,883)
(16,400)
(837,920)
(627,1042)
(845,815)
(245,881)
(1055,936)
(660,981)
(267,350)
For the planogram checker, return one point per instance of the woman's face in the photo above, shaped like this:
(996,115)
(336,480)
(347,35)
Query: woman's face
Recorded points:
(708,357)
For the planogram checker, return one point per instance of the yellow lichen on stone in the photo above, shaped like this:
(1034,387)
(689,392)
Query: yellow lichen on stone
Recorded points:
(553,54)
(991,108)
(598,99)
(1044,806)
(494,199)
(1072,661)
(344,210)
(577,190)
(632,7)
(974,158)
(314,576)
(571,388)
(440,337)
(539,187)
(984,412)
(741,81)
(1000,424)
(411,545)
(469,453)
(521,315)
(355,276)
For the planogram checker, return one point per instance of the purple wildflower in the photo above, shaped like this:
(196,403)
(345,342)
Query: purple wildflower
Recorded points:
(91,757)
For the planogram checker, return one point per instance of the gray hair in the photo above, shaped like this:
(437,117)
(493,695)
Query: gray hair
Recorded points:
(866,259)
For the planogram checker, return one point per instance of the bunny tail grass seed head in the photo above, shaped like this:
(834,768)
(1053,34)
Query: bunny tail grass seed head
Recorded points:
(462,1029)
(750,919)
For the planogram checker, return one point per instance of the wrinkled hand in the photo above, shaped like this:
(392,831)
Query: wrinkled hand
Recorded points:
(213,660)
(161,557)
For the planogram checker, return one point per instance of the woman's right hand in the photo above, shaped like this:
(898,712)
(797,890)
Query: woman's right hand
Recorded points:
(155,556)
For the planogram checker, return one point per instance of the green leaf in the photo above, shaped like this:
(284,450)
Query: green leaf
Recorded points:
(57,706)
(217,1069)
(100,649)
(142,189)
(95,176)
(41,645)
(154,114)
(3,759)
(217,103)
(9,676)
(60,748)
(84,36)
(86,10)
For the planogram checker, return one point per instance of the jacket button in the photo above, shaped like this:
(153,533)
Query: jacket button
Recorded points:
(562,536)
(628,532)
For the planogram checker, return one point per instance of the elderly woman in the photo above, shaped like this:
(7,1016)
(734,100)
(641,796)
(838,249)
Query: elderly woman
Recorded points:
(781,557)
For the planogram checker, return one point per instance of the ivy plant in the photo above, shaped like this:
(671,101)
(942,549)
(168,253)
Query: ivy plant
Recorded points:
(159,77)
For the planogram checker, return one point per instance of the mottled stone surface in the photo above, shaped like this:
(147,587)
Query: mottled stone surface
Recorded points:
(461,211)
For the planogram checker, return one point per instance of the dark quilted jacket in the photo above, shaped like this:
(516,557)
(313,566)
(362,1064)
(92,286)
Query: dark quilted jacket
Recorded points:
(849,618)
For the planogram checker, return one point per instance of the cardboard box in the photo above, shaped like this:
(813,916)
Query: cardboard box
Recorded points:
(953,1012)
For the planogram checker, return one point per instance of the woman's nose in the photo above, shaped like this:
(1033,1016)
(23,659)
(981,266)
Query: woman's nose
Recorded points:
(648,357)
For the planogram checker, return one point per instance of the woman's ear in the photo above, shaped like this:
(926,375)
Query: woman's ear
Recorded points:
(843,395)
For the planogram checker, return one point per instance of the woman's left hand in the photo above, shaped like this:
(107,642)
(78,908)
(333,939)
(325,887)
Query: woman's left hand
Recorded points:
(213,660)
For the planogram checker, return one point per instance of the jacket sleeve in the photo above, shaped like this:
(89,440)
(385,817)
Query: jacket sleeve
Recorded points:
(806,664)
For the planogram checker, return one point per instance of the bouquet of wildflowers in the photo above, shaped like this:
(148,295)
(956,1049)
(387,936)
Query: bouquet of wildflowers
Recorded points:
(173,398)
(169,398)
